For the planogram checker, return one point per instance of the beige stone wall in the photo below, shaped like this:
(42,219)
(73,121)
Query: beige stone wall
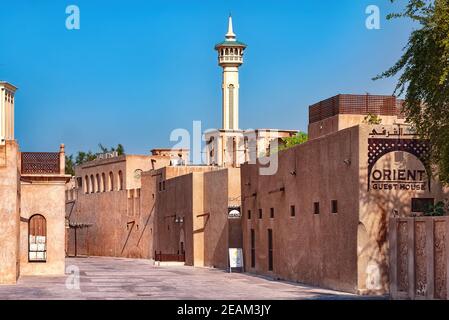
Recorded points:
(221,190)
(197,220)
(121,219)
(176,200)
(9,213)
(317,249)
(135,165)
(179,194)
(201,197)
(106,212)
(344,121)
(46,198)
(148,201)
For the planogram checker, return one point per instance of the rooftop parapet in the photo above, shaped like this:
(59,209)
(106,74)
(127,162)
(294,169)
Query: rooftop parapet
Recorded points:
(356,104)
(43,163)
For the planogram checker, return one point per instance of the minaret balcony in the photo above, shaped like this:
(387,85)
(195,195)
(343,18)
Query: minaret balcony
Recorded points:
(230,59)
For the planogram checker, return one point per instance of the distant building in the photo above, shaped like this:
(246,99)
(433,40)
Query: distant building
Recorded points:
(104,204)
(32,184)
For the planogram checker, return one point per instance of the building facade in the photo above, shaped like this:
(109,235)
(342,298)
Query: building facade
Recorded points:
(191,206)
(104,207)
(322,219)
(32,185)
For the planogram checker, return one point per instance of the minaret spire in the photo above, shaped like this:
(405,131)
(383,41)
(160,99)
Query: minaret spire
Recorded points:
(230,36)
(230,57)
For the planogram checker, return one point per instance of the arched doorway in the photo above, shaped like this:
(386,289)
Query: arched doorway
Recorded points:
(37,239)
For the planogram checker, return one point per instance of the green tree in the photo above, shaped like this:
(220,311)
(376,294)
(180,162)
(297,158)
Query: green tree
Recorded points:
(373,119)
(69,165)
(424,77)
(436,210)
(120,149)
(83,157)
(103,149)
(290,142)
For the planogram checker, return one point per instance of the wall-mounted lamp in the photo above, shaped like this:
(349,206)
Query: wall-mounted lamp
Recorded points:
(179,220)
(347,162)
(293,173)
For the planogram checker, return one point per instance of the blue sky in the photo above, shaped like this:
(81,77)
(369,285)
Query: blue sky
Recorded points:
(138,69)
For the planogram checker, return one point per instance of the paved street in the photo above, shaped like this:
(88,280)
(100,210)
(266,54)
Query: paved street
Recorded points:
(114,278)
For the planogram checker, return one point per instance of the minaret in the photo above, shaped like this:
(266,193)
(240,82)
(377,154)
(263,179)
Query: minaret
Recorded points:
(7,92)
(230,58)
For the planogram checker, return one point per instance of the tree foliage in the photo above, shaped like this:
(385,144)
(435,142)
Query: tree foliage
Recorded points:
(372,119)
(119,149)
(436,210)
(82,157)
(290,142)
(69,165)
(424,77)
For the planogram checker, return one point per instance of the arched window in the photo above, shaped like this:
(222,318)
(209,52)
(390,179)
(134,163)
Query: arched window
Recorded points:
(98,183)
(111,181)
(86,185)
(120,181)
(37,239)
(103,180)
(92,184)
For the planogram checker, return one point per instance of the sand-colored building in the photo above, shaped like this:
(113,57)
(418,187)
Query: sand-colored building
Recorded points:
(32,186)
(322,219)
(104,206)
(191,206)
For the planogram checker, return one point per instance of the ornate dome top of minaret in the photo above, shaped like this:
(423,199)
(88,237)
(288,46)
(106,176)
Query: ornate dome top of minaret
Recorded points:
(230,51)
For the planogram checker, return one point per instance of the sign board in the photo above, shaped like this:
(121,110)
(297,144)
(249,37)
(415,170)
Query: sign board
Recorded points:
(397,176)
(234,213)
(235,258)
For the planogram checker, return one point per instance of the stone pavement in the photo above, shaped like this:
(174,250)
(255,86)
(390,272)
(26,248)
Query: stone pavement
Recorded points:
(116,278)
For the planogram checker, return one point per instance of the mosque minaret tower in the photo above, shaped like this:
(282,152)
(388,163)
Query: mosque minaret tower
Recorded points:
(231,146)
(230,58)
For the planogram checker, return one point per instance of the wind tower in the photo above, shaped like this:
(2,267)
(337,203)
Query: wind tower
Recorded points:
(7,92)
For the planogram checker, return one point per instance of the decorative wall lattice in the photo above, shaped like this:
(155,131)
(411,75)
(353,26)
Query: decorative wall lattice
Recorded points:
(356,104)
(40,163)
